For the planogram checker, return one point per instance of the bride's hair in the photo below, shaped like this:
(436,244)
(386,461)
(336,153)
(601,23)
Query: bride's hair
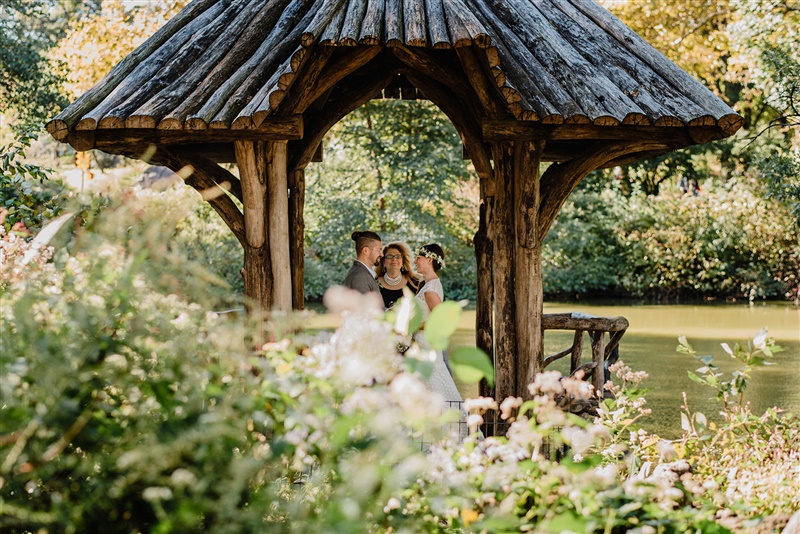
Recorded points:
(435,253)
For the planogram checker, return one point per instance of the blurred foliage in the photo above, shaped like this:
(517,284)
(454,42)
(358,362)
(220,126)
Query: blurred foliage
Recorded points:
(725,243)
(27,196)
(91,45)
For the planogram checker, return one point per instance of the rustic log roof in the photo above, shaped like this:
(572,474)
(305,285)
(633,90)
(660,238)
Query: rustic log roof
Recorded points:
(562,70)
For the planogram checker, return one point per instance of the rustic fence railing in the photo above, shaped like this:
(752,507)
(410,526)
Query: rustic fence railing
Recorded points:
(602,349)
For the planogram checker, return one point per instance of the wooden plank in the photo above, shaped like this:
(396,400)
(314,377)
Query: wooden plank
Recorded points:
(351,96)
(595,95)
(351,27)
(566,321)
(278,224)
(577,351)
(458,15)
(372,25)
(395,27)
(487,92)
(598,356)
(252,172)
(299,92)
(434,12)
(339,68)
(626,71)
(237,90)
(330,35)
(320,21)
(415,23)
(257,271)
(694,91)
(545,96)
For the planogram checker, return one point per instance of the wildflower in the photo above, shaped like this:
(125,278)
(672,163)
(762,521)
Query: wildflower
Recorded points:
(508,405)
(480,405)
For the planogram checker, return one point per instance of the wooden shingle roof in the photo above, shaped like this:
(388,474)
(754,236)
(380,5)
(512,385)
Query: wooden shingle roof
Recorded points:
(224,66)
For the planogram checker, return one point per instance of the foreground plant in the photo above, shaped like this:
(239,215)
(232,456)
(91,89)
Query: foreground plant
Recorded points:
(749,463)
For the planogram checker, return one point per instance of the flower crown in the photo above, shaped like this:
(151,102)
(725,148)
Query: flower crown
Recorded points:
(431,255)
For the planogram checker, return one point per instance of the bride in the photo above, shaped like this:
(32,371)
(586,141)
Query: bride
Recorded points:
(429,260)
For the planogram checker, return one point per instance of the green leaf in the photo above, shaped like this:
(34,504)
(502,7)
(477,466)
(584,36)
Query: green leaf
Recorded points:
(470,364)
(695,378)
(565,522)
(441,324)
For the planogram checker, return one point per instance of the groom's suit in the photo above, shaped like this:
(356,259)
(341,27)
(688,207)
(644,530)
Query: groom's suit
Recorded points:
(361,279)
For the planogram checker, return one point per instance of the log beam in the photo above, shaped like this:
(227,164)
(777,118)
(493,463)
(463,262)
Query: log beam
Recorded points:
(508,130)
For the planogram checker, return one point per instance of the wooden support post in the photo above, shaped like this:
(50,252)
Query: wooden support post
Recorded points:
(577,351)
(278,224)
(527,264)
(257,272)
(297,226)
(598,338)
(485,289)
(505,348)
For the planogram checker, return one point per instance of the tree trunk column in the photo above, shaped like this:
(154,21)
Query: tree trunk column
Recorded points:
(505,337)
(484,338)
(278,224)
(528,288)
(257,271)
(297,228)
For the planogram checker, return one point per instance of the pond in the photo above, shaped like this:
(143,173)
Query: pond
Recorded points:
(650,342)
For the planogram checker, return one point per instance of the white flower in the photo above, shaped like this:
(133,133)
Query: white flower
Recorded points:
(392,504)
(480,405)
(760,341)
(508,405)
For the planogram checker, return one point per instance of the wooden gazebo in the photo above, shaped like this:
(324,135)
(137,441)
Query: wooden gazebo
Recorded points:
(260,82)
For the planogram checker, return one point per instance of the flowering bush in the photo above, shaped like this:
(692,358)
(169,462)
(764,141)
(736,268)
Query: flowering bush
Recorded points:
(128,407)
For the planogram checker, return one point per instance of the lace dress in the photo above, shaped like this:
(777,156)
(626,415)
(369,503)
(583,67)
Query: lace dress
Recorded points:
(440,381)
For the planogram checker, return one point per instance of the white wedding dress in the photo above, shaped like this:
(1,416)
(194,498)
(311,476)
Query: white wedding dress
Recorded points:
(440,381)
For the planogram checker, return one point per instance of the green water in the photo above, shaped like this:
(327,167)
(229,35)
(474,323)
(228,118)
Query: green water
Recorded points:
(650,342)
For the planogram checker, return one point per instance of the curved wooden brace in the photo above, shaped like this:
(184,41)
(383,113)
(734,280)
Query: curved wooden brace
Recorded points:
(560,179)
(458,112)
(207,176)
(350,98)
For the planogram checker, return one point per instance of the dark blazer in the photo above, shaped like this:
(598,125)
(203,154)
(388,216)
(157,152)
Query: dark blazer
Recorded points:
(360,278)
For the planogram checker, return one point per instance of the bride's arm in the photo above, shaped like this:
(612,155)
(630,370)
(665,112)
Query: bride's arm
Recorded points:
(432,299)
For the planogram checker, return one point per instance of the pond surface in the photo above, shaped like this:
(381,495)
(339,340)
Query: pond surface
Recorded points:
(650,342)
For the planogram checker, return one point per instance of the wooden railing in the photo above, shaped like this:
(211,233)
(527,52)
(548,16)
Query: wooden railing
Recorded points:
(597,327)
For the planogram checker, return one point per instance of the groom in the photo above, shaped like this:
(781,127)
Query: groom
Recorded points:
(369,250)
